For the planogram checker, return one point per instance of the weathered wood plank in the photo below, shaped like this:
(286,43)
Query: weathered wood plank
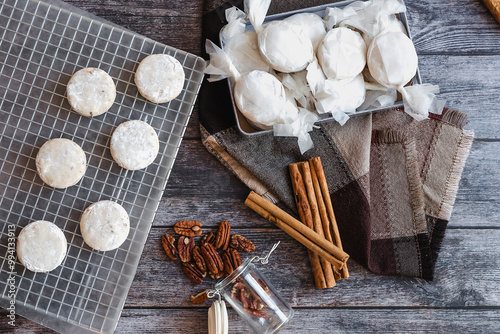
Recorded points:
(194,321)
(467,274)
(175,23)
(326,321)
(468,85)
(453,27)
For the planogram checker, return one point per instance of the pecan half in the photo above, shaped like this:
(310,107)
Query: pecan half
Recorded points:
(192,272)
(235,258)
(167,241)
(212,259)
(188,228)
(245,298)
(241,243)
(185,247)
(256,303)
(199,260)
(217,276)
(208,238)
(223,235)
(231,259)
(237,291)
(248,300)
(200,297)
(228,265)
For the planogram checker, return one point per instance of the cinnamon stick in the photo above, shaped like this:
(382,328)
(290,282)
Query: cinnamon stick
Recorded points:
(323,214)
(317,224)
(307,237)
(319,176)
(306,218)
(293,233)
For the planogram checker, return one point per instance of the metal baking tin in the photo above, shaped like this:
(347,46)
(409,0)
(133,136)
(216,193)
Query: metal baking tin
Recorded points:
(247,129)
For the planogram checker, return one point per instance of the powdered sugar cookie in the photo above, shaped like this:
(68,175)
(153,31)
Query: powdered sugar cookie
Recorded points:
(104,225)
(61,163)
(91,92)
(41,246)
(134,145)
(159,78)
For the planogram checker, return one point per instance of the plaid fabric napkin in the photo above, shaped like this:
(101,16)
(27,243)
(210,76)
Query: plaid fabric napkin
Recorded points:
(393,180)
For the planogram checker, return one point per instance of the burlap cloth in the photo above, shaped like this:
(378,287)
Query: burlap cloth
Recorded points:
(393,180)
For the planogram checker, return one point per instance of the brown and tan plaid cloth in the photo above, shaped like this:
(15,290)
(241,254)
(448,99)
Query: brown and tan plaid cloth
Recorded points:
(393,180)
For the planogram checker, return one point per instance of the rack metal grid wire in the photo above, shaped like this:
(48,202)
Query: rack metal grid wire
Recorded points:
(41,46)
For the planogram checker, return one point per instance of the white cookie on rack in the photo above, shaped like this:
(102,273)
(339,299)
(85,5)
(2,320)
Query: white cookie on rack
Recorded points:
(41,246)
(159,78)
(61,163)
(105,225)
(134,145)
(91,92)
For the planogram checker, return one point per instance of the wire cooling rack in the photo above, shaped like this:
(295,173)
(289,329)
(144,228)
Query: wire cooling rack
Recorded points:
(41,46)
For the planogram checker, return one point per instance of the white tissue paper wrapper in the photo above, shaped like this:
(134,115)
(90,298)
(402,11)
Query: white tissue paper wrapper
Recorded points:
(378,96)
(220,66)
(371,18)
(261,98)
(315,77)
(334,15)
(299,128)
(312,24)
(392,59)
(419,100)
(243,50)
(297,88)
(341,97)
(235,26)
(240,44)
(256,11)
(285,46)
(342,53)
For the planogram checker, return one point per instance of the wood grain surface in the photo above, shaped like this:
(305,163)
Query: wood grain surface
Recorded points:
(458,43)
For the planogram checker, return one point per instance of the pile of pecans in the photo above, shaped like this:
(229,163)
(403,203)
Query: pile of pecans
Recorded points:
(198,260)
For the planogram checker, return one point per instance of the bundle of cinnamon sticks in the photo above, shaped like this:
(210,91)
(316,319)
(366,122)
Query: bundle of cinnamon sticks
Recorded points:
(318,230)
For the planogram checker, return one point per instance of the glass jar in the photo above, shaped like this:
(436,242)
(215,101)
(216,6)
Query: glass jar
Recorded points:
(252,296)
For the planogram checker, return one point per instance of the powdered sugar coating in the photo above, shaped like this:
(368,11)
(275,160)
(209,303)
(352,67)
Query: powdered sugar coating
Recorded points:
(41,246)
(134,145)
(160,78)
(91,92)
(61,163)
(105,225)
